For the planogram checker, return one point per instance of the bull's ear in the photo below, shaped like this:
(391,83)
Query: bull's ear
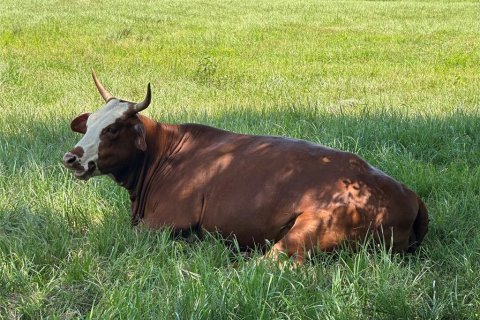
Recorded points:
(140,139)
(79,124)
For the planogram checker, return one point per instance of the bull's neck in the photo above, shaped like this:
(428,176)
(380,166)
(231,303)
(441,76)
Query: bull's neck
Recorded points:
(163,141)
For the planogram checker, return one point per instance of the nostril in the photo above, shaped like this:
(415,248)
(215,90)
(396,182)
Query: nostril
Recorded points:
(91,165)
(70,158)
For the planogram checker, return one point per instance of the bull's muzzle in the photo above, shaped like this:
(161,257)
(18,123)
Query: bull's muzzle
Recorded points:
(71,160)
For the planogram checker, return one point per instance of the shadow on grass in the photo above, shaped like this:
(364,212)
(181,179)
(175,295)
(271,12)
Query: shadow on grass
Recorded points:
(436,156)
(439,141)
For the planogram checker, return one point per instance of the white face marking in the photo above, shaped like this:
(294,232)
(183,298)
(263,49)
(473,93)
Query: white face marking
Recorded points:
(96,122)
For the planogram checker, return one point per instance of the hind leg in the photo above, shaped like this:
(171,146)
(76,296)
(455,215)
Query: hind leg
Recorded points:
(308,233)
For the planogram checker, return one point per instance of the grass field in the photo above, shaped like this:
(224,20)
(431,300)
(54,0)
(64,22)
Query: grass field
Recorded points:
(396,82)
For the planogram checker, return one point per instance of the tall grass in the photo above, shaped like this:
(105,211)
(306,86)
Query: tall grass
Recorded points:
(397,82)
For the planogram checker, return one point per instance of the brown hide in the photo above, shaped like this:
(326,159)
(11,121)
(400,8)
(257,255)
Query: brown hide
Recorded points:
(294,193)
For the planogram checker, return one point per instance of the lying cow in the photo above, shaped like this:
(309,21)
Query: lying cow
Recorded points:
(298,195)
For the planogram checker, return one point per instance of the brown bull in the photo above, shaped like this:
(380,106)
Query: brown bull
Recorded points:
(298,195)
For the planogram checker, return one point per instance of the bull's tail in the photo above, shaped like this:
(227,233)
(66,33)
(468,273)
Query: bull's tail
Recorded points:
(420,227)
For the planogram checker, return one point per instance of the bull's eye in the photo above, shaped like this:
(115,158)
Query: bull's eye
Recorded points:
(112,130)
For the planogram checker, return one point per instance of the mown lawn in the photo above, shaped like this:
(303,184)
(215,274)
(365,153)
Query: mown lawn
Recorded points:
(396,82)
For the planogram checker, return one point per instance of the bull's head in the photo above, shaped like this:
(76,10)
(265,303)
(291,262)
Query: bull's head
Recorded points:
(113,137)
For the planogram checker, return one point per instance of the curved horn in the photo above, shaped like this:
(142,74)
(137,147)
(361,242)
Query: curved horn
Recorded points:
(144,104)
(103,92)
